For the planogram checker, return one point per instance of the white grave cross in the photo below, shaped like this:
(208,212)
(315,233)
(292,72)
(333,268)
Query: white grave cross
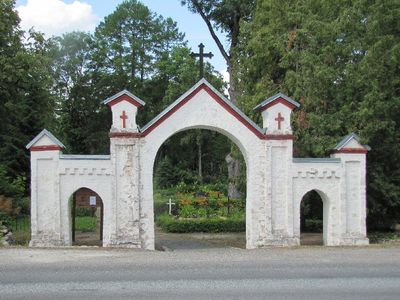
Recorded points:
(170,203)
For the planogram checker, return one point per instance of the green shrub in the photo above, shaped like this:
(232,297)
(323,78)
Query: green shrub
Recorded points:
(188,211)
(202,201)
(22,237)
(182,187)
(25,204)
(5,219)
(85,211)
(202,212)
(171,224)
(161,198)
(195,187)
(379,236)
(313,226)
(160,208)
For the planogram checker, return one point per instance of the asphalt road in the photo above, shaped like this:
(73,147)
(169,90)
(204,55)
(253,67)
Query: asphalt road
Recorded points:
(217,273)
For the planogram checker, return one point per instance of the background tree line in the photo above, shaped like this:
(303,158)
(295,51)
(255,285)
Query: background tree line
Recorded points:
(340,59)
(59,83)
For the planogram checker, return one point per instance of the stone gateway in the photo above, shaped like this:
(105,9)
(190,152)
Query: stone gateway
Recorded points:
(276,182)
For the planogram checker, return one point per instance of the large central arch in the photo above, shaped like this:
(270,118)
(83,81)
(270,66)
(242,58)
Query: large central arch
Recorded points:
(202,108)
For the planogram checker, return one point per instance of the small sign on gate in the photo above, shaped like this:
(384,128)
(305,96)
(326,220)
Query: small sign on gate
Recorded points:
(92,200)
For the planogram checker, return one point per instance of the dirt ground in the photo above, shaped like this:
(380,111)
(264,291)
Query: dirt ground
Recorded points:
(172,241)
(87,238)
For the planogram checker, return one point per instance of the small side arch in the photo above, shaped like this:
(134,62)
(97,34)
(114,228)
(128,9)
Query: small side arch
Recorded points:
(87,206)
(69,185)
(325,212)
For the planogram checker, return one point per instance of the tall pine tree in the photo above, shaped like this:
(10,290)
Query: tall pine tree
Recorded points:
(340,59)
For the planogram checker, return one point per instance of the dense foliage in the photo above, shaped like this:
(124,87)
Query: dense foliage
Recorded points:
(227,17)
(59,84)
(341,60)
(178,159)
(26,105)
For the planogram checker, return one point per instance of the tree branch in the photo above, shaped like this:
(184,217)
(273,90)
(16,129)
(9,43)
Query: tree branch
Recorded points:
(212,32)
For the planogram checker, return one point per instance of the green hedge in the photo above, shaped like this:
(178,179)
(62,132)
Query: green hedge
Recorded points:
(171,224)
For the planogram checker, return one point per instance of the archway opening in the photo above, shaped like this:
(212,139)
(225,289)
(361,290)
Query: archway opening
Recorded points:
(87,212)
(192,208)
(312,219)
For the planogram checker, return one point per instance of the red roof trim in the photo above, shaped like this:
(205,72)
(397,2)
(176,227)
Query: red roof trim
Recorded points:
(124,98)
(275,102)
(216,98)
(278,137)
(227,107)
(125,135)
(232,112)
(45,148)
(170,112)
(352,151)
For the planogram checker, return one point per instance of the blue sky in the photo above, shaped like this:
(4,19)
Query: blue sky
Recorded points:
(59,16)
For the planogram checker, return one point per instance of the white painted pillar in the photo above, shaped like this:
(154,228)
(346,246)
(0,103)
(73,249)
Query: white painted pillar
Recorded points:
(353,197)
(279,192)
(45,191)
(125,152)
(276,113)
(125,165)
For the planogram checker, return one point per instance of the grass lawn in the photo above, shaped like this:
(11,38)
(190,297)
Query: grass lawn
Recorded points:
(85,224)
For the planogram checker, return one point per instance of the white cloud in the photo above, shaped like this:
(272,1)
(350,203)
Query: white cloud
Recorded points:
(55,17)
(225,75)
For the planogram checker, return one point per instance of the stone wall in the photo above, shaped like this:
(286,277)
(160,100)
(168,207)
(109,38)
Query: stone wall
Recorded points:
(5,235)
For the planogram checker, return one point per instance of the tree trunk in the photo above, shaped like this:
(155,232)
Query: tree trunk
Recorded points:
(133,63)
(200,154)
(233,95)
(234,165)
(142,55)
(233,175)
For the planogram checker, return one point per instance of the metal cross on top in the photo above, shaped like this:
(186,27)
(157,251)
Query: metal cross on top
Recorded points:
(201,56)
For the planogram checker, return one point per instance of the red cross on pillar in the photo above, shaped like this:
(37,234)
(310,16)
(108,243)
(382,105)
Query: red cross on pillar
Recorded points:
(124,117)
(279,119)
